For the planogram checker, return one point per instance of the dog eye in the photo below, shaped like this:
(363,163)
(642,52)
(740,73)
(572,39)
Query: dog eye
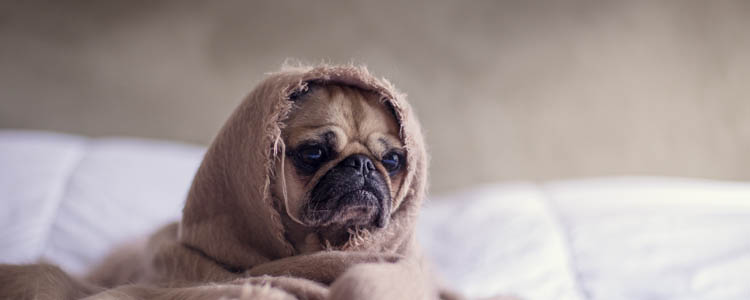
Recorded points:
(312,155)
(392,162)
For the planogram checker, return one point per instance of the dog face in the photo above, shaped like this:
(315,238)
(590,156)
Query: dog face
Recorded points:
(344,161)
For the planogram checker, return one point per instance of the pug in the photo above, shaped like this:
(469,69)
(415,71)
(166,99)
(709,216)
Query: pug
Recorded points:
(343,164)
(310,191)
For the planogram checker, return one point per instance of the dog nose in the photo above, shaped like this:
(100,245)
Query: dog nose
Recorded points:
(359,162)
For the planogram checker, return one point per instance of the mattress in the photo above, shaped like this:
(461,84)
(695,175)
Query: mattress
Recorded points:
(68,200)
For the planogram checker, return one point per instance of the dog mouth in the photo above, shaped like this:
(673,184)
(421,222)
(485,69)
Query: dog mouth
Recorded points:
(358,197)
(350,197)
(358,208)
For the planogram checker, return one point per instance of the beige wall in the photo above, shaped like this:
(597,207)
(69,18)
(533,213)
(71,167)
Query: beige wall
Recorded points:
(505,90)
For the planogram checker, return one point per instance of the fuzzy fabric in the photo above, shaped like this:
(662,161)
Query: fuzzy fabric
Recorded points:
(231,232)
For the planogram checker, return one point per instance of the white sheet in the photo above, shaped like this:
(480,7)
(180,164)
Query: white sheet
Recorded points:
(69,199)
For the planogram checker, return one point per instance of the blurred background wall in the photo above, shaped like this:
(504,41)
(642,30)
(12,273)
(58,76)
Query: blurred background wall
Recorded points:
(507,90)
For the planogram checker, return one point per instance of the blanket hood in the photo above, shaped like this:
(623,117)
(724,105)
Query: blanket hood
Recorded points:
(230,215)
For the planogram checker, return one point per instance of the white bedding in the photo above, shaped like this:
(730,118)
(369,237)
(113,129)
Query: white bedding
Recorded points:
(69,199)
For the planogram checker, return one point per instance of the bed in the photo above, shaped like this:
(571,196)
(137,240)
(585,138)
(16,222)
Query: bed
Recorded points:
(69,199)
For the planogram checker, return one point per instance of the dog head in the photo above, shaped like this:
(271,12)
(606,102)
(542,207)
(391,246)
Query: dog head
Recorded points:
(313,157)
(344,162)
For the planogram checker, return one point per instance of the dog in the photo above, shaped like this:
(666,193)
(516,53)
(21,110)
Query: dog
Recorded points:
(310,191)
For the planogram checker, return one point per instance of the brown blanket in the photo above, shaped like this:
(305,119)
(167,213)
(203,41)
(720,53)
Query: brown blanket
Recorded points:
(231,241)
